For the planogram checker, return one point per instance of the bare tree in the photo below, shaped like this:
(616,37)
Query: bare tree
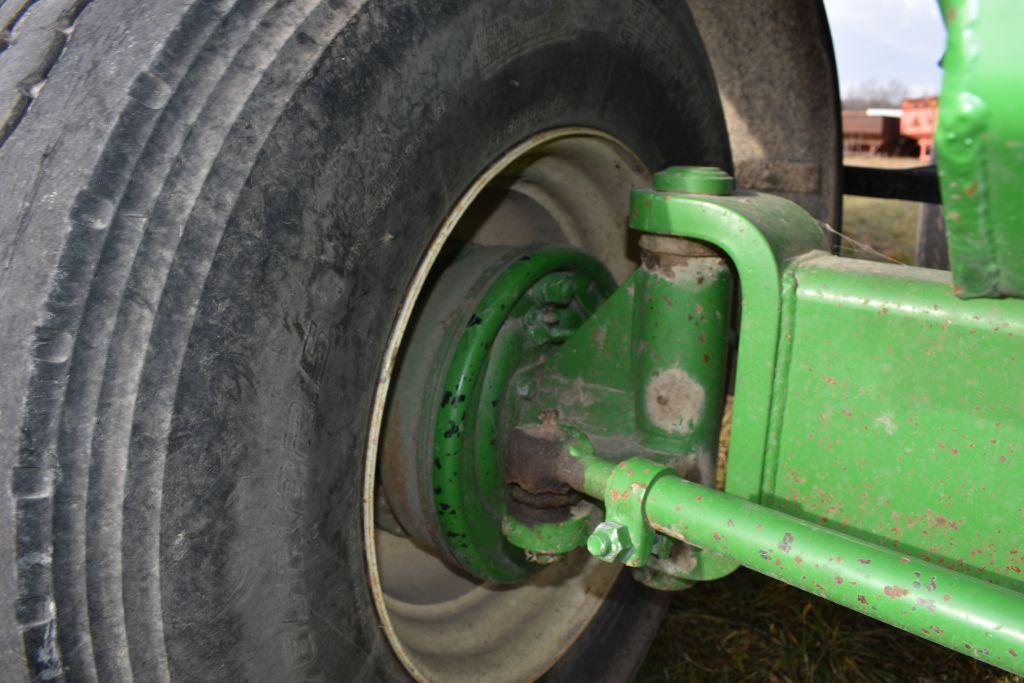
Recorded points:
(874,94)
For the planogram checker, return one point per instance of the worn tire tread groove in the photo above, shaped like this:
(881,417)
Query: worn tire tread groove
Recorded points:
(140,240)
(33,65)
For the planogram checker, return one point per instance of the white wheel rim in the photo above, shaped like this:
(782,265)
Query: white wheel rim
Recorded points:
(442,626)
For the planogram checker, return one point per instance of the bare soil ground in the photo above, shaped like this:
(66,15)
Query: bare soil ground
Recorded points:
(748,627)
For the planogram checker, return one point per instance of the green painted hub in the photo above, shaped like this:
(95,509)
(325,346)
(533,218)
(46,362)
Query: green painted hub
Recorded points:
(527,302)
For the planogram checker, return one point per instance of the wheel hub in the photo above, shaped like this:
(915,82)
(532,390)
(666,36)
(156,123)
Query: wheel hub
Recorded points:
(491,312)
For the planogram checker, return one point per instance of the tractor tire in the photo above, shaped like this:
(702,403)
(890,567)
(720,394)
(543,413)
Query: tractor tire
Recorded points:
(210,212)
(932,247)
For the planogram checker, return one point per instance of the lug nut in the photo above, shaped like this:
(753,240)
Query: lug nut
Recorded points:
(558,291)
(610,542)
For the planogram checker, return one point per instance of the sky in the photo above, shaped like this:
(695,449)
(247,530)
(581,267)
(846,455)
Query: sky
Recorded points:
(883,40)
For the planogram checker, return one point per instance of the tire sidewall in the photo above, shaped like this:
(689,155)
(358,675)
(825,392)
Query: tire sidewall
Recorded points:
(268,336)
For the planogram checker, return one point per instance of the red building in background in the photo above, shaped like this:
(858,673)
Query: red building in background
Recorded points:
(865,132)
(920,116)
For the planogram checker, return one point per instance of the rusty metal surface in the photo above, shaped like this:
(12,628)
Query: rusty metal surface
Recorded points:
(910,432)
(941,604)
(536,473)
(979,142)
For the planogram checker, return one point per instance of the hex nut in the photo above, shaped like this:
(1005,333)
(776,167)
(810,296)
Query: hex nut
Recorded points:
(610,542)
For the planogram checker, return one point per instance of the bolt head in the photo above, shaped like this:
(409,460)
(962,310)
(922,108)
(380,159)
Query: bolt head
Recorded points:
(610,542)
(694,180)
(599,545)
(558,290)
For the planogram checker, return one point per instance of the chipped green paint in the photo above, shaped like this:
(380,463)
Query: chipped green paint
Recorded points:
(597,470)
(624,495)
(761,234)
(529,303)
(941,604)
(681,313)
(951,608)
(980,146)
(902,419)
(613,483)
(877,429)
(553,538)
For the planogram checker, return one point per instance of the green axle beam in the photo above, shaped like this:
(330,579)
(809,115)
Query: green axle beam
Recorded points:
(951,608)
(876,429)
(877,442)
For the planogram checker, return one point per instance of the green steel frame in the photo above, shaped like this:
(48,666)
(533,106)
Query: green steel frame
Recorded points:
(876,424)
(877,439)
(980,146)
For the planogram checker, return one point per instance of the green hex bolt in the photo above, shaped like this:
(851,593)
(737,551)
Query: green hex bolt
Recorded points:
(558,290)
(610,542)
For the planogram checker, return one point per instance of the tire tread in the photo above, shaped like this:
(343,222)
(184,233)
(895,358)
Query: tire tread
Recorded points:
(33,36)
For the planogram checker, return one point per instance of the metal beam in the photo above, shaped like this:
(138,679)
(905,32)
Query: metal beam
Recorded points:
(956,610)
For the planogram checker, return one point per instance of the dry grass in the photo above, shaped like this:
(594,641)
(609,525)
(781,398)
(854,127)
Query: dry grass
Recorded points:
(888,228)
(747,627)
